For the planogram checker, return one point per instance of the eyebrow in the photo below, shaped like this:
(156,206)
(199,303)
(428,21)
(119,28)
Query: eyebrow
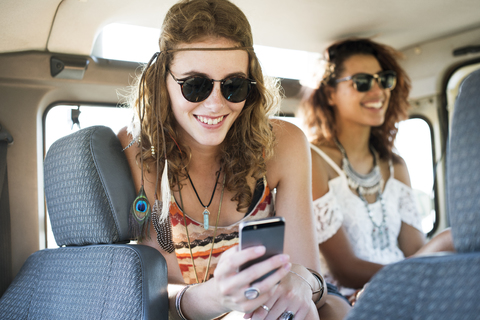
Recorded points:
(197,73)
(368,72)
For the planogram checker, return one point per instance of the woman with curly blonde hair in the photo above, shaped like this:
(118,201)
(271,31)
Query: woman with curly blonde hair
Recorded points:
(364,207)
(205,156)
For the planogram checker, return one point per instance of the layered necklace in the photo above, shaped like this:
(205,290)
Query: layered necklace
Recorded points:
(216,224)
(206,213)
(368,184)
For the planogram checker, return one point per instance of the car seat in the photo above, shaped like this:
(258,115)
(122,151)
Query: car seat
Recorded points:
(95,273)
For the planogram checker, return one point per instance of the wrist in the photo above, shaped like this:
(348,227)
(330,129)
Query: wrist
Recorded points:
(313,279)
(320,290)
(192,303)
(178,301)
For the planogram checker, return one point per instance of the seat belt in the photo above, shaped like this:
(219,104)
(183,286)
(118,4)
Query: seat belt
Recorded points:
(5,227)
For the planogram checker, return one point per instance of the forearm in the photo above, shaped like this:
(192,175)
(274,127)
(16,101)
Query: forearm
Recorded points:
(441,242)
(355,274)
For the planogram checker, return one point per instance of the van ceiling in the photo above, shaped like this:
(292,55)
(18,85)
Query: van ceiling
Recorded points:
(71,26)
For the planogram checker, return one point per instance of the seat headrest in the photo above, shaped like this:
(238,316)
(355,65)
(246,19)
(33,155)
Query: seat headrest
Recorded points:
(463,167)
(88,188)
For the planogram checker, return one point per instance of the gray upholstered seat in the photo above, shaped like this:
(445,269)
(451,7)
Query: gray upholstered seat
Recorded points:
(441,286)
(94,274)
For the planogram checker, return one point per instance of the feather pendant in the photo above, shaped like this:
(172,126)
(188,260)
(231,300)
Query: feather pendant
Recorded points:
(140,216)
(166,194)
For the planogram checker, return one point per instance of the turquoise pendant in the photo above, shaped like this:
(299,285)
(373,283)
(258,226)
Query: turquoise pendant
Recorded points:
(206,215)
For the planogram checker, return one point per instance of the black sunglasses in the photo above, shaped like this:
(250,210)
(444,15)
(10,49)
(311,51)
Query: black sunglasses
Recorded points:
(198,88)
(363,82)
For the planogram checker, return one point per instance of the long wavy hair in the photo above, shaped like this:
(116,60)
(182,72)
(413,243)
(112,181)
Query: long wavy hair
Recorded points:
(250,140)
(319,116)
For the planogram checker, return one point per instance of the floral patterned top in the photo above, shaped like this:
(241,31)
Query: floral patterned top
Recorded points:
(341,207)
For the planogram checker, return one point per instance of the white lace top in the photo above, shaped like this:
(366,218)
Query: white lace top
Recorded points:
(340,206)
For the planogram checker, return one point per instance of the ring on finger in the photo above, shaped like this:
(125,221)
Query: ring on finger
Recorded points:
(287,315)
(265,308)
(251,293)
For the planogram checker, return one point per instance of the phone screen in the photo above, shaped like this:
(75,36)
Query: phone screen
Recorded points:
(267,232)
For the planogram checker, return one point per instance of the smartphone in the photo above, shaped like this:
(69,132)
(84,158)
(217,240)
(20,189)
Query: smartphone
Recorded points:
(267,232)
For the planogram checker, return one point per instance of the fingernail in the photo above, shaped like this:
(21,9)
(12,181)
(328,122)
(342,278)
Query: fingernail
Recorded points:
(288,266)
(260,249)
(284,258)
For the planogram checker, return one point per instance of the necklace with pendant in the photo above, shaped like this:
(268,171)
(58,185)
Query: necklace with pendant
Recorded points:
(371,183)
(214,232)
(380,236)
(206,213)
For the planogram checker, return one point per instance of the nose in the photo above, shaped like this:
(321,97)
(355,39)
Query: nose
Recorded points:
(215,101)
(376,85)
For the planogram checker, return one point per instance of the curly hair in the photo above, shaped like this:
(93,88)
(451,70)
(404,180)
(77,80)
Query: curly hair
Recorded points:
(250,140)
(319,116)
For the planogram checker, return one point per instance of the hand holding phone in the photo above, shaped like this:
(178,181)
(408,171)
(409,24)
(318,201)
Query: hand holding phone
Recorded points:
(267,232)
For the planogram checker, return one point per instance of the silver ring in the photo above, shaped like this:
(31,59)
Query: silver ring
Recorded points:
(265,308)
(287,315)
(251,293)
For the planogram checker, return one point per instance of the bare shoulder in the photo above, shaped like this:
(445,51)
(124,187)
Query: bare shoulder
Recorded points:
(290,141)
(124,137)
(322,171)
(320,175)
(286,132)
(290,152)
(131,150)
(400,169)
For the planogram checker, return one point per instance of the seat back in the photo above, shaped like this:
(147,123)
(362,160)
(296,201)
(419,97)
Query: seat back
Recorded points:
(463,167)
(442,286)
(95,274)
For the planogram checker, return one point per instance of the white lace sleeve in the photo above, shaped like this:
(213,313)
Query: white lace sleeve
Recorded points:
(407,207)
(328,216)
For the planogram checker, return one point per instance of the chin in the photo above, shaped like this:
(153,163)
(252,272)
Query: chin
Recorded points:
(377,124)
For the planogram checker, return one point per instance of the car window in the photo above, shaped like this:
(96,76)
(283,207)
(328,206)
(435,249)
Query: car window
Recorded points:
(414,144)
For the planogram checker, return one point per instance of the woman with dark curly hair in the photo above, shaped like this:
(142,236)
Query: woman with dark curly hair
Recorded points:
(205,156)
(365,210)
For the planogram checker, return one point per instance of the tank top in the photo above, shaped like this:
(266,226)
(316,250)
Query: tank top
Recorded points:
(201,239)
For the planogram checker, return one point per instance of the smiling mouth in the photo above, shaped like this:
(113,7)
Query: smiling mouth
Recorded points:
(374,105)
(210,121)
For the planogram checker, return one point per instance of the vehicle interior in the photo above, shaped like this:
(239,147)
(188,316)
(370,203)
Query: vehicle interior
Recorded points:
(67,65)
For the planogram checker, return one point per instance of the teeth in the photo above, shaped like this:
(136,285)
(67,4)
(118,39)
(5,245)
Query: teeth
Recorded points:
(210,120)
(375,105)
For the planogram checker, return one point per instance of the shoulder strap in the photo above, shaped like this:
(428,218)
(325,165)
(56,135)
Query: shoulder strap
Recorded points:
(328,160)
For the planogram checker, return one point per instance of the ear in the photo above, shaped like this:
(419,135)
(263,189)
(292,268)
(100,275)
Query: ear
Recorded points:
(330,93)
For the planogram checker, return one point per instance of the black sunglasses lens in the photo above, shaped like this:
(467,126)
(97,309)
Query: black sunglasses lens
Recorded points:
(388,79)
(363,82)
(197,89)
(236,89)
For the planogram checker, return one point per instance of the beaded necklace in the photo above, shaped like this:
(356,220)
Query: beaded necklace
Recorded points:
(380,236)
(371,183)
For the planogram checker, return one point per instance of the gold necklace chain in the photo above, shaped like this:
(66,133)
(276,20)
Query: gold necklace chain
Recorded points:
(214,232)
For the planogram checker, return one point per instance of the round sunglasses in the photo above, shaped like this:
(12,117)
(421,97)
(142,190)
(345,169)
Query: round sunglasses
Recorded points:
(363,82)
(198,88)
